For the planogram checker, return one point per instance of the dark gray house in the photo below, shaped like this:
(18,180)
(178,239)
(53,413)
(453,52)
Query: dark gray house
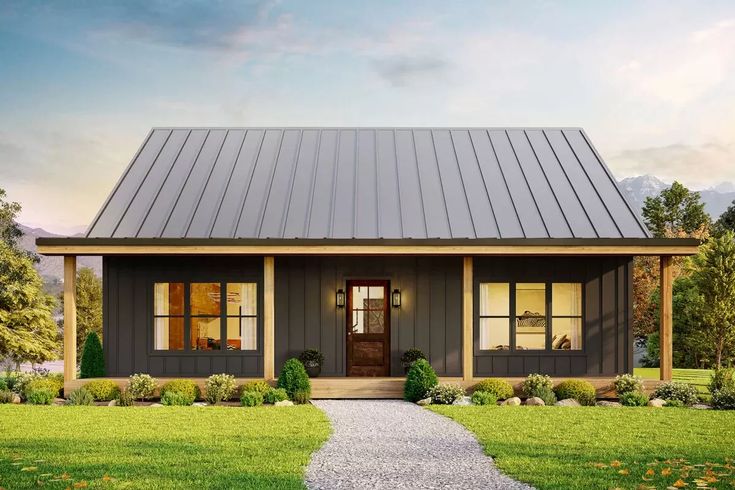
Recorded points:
(497,252)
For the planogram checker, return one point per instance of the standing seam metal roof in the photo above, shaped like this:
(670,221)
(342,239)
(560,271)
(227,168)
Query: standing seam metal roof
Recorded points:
(367,183)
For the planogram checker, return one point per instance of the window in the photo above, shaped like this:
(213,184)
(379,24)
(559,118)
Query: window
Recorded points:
(530,316)
(205,315)
(495,316)
(566,316)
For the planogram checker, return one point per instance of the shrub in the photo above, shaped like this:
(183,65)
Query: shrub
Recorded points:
(80,396)
(674,403)
(177,399)
(251,398)
(142,386)
(445,393)
(185,387)
(261,386)
(627,383)
(275,395)
(6,396)
(93,360)
(40,392)
(546,394)
(634,399)
(578,389)
(3,384)
(724,398)
(674,390)
(103,390)
(411,356)
(311,358)
(125,399)
(484,398)
(219,388)
(293,379)
(420,379)
(536,383)
(722,378)
(498,387)
(42,384)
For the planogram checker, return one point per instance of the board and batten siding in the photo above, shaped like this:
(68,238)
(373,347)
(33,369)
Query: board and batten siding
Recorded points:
(429,318)
(607,316)
(128,315)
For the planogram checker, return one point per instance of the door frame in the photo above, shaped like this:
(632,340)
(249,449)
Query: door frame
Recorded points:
(386,327)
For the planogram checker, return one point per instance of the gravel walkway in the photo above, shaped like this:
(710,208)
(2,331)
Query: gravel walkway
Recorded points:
(393,444)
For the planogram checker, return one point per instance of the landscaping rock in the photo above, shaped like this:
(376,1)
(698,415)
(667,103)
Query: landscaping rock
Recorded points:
(200,404)
(424,402)
(113,403)
(515,401)
(535,401)
(605,403)
(701,406)
(463,401)
(657,402)
(155,405)
(283,403)
(567,402)
(16,399)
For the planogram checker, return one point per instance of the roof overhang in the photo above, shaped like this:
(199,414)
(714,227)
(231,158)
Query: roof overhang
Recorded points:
(459,246)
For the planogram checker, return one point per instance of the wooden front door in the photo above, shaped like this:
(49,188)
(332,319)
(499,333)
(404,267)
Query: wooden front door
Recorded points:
(368,328)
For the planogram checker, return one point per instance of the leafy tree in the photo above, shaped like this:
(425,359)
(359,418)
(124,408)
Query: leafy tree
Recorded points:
(89,306)
(675,210)
(10,231)
(93,360)
(726,221)
(714,275)
(27,329)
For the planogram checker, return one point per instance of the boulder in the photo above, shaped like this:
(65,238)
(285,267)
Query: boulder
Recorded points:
(567,402)
(155,405)
(535,401)
(463,401)
(112,403)
(424,402)
(199,404)
(283,403)
(701,406)
(515,401)
(16,399)
(656,402)
(606,403)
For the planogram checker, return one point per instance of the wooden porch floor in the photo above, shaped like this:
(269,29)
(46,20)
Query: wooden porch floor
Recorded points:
(376,388)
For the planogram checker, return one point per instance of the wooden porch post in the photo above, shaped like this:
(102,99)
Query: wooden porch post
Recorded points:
(467,320)
(666,321)
(70,317)
(269,318)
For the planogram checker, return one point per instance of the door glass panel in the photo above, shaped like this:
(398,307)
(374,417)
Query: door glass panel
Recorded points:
(376,292)
(205,298)
(357,321)
(376,321)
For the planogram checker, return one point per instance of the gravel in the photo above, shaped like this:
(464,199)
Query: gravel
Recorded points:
(393,444)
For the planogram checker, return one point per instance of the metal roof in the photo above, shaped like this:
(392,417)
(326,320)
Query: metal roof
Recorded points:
(367,183)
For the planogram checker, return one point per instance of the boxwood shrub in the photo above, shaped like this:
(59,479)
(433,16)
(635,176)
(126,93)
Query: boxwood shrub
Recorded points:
(259,385)
(420,379)
(275,395)
(186,387)
(102,390)
(497,386)
(577,389)
(634,399)
(484,398)
(176,399)
(251,398)
(39,385)
(295,381)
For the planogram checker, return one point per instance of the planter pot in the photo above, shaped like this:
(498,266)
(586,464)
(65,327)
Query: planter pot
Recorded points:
(313,371)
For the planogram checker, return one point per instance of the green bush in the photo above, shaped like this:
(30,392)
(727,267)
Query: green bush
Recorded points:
(312,358)
(125,399)
(103,390)
(420,379)
(251,398)
(40,393)
(142,386)
(93,359)
(185,387)
(43,384)
(722,378)
(674,390)
(537,383)
(293,379)
(3,384)
(410,356)
(577,389)
(497,386)
(275,395)
(724,398)
(219,388)
(260,385)
(445,393)
(484,398)
(80,397)
(177,399)
(674,403)
(546,394)
(6,396)
(634,399)
(626,383)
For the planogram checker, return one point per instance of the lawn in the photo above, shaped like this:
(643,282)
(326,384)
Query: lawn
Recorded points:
(698,377)
(597,447)
(167,447)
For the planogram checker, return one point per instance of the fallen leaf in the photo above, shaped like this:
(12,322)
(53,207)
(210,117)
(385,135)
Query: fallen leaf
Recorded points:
(29,468)
(666,472)
(599,465)
(106,478)
(616,464)
(679,483)
(65,476)
(650,472)
(81,484)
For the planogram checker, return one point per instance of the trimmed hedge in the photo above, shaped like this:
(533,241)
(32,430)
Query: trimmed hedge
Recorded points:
(420,379)
(577,389)
(185,387)
(295,381)
(102,390)
(497,386)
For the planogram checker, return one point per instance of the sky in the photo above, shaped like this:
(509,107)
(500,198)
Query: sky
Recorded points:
(82,82)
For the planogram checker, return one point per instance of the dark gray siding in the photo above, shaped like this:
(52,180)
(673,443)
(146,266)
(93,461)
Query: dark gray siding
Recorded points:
(607,310)
(430,317)
(128,315)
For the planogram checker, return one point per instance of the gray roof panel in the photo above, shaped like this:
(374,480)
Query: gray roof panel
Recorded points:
(367,183)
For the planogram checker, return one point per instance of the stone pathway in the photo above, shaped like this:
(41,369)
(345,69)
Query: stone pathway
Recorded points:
(380,444)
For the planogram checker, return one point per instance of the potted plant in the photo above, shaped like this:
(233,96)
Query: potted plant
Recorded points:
(409,357)
(312,361)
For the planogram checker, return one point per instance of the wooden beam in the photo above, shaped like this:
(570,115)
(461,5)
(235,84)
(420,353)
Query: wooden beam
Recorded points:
(269,318)
(666,320)
(70,318)
(467,320)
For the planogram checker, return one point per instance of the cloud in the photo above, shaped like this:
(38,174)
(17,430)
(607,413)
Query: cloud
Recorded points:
(403,71)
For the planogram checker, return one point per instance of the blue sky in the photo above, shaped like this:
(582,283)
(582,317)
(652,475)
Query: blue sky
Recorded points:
(82,82)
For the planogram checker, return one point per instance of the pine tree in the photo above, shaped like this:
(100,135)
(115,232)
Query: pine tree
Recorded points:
(93,360)
(726,221)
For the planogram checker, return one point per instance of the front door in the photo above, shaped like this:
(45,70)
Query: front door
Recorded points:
(368,328)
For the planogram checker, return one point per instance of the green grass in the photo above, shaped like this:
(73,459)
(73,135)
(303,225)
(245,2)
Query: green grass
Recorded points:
(167,447)
(698,377)
(561,447)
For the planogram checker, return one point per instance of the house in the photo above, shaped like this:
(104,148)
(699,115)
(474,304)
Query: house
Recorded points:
(497,252)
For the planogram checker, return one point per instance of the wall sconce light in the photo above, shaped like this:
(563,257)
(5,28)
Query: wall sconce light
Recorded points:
(396,298)
(340,298)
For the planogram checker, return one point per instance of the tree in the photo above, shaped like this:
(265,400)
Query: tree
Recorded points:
(714,275)
(93,361)
(10,232)
(89,306)
(675,210)
(27,329)
(726,221)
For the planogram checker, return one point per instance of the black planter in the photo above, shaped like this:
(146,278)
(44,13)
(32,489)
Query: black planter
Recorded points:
(313,371)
